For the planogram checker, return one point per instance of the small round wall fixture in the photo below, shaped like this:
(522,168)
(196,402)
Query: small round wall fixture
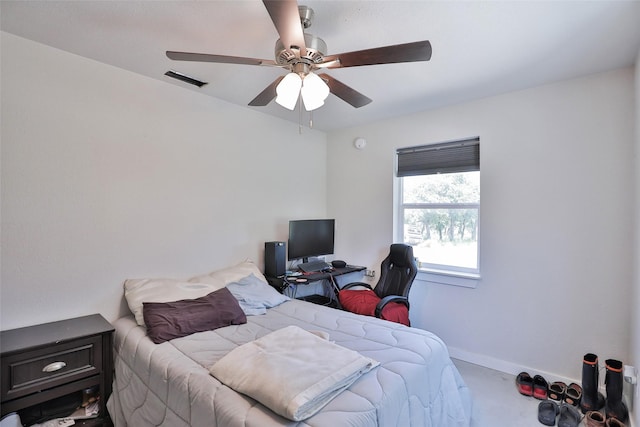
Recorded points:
(359,143)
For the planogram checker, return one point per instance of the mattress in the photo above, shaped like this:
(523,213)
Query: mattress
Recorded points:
(169,384)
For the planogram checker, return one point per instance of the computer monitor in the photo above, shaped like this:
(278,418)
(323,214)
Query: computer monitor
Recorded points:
(310,238)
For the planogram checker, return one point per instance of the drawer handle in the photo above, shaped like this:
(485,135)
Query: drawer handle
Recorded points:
(55,366)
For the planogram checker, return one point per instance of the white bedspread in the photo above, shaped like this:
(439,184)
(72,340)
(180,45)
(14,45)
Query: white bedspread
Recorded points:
(416,383)
(291,371)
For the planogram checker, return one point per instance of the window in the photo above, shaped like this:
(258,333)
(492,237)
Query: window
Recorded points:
(439,205)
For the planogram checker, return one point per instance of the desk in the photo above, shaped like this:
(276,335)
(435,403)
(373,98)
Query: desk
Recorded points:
(318,288)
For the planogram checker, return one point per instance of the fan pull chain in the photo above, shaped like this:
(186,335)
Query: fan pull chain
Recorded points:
(300,126)
(300,115)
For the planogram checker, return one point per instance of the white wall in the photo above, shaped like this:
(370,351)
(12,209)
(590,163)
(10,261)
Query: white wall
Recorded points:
(556,220)
(635,301)
(108,175)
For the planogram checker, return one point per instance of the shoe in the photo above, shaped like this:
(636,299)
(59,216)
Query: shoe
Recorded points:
(524,383)
(592,399)
(540,387)
(573,394)
(569,416)
(614,406)
(557,391)
(613,422)
(594,419)
(547,412)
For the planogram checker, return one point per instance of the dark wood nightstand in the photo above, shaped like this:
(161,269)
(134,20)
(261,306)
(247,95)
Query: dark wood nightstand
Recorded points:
(44,362)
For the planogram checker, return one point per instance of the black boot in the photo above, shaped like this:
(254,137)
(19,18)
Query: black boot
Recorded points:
(592,399)
(614,407)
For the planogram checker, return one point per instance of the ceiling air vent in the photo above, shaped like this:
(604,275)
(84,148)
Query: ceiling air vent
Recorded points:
(184,78)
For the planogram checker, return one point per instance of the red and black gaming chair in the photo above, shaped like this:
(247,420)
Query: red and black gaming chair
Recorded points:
(389,299)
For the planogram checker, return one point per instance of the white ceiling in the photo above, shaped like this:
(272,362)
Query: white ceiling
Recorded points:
(480,48)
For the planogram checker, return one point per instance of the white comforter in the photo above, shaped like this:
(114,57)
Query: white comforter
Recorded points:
(169,384)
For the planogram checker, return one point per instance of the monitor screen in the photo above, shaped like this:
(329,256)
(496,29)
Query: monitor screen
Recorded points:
(311,237)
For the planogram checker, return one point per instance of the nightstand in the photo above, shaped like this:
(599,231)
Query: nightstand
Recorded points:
(44,362)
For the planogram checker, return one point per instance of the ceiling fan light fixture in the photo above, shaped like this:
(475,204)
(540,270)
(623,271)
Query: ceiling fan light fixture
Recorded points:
(288,90)
(301,53)
(314,91)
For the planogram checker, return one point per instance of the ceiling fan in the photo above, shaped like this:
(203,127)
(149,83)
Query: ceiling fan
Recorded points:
(304,54)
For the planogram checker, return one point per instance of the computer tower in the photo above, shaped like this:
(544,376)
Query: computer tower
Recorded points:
(275,256)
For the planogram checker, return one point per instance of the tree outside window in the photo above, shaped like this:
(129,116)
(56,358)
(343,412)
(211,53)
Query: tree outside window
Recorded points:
(440,218)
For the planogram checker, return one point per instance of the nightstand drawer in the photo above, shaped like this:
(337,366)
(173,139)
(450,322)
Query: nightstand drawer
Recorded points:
(51,366)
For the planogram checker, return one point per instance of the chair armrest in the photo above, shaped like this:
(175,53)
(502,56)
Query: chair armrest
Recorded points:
(390,298)
(354,284)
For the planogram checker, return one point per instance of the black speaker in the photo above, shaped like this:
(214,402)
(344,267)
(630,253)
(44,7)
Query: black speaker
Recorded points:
(275,254)
(338,263)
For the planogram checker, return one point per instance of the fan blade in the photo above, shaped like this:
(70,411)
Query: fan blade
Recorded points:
(286,18)
(266,95)
(344,92)
(206,57)
(408,52)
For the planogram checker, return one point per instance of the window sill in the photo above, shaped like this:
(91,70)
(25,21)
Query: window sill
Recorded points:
(452,278)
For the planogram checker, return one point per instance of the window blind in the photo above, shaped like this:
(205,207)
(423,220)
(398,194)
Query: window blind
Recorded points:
(444,157)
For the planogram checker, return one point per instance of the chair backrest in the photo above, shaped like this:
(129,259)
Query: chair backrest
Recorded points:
(397,271)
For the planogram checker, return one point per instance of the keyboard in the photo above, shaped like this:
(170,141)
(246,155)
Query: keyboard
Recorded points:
(311,266)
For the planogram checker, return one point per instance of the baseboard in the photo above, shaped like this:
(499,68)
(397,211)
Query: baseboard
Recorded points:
(515,369)
(504,366)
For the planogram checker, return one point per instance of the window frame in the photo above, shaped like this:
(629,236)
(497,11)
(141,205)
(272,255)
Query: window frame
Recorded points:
(437,273)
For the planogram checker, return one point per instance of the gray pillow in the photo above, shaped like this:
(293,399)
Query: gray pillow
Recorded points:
(255,296)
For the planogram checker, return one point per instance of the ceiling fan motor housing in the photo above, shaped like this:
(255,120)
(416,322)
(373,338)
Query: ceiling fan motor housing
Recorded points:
(316,50)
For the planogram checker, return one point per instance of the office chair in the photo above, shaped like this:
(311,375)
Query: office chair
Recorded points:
(390,298)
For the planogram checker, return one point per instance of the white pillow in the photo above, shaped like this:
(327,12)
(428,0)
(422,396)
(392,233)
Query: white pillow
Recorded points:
(137,291)
(231,274)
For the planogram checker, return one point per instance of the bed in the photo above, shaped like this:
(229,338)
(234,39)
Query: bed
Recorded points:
(413,381)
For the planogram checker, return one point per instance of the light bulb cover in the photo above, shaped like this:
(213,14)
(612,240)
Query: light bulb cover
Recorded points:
(288,90)
(314,91)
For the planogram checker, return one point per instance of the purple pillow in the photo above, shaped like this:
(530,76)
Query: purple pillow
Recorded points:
(168,320)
